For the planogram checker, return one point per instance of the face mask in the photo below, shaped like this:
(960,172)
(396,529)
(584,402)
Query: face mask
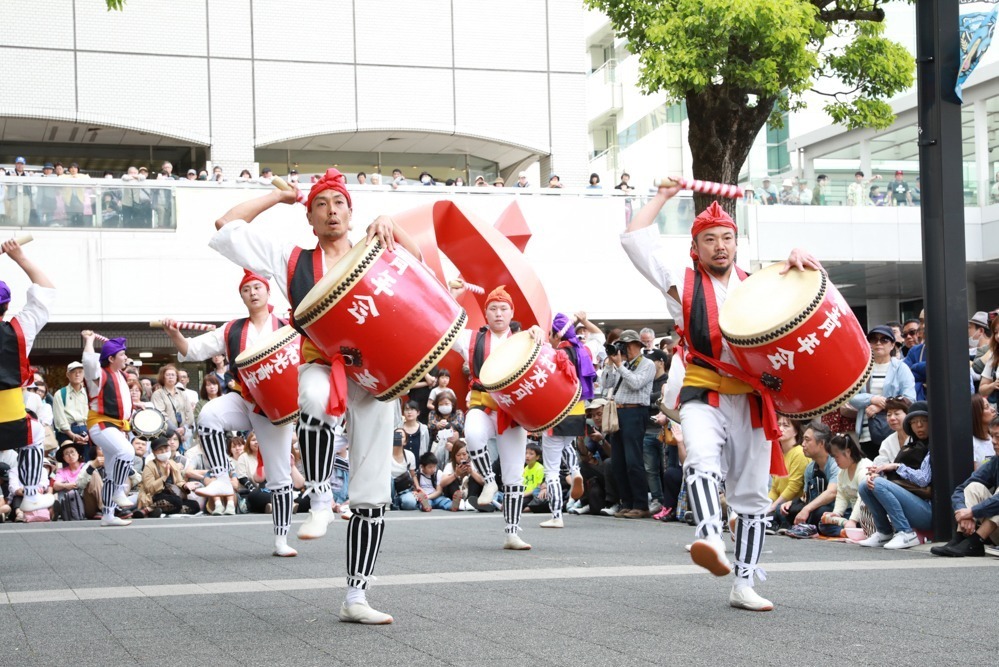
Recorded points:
(425,180)
(444,409)
(163,456)
(972,342)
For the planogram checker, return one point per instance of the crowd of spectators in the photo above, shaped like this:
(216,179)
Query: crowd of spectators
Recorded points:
(863,191)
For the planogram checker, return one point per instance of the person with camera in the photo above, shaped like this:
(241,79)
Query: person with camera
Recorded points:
(722,416)
(629,376)
(653,452)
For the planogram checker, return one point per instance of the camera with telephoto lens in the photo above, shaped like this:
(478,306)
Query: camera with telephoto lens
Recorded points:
(617,347)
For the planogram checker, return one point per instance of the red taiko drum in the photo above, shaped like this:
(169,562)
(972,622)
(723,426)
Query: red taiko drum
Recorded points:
(797,333)
(268,374)
(386,314)
(533,383)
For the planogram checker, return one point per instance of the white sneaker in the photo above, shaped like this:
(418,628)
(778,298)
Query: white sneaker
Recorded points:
(514,543)
(876,540)
(282,549)
(903,540)
(38,501)
(610,511)
(221,486)
(345,512)
(122,501)
(113,520)
(315,526)
(744,597)
(360,612)
(709,553)
(217,508)
(580,509)
(489,492)
(553,523)
(230,508)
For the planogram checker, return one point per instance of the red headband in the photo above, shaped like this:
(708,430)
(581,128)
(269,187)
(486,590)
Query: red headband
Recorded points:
(331,180)
(499,294)
(712,216)
(250,276)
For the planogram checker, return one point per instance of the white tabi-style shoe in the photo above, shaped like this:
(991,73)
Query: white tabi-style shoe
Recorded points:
(744,597)
(113,520)
(709,553)
(553,523)
(122,501)
(221,486)
(38,501)
(489,492)
(315,526)
(361,612)
(514,543)
(281,548)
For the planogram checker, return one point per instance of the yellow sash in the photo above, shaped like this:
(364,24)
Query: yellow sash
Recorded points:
(311,353)
(706,378)
(482,399)
(12,405)
(578,409)
(94,418)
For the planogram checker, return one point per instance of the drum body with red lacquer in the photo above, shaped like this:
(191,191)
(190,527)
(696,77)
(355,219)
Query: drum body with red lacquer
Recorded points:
(386,314)
(798,334)
(533,383)
(268,374)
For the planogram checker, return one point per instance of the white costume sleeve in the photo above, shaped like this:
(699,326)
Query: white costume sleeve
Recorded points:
(462,342)
(205,346)
(250,248)
(92,371)
(35,313)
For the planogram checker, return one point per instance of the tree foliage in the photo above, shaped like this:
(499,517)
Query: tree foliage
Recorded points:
(739,64)
(116,5)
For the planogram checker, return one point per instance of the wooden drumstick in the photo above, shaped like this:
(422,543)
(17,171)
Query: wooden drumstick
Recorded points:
(703,187)
(22,239)
(458,284)
(101,338)
(193,326)
(280,183)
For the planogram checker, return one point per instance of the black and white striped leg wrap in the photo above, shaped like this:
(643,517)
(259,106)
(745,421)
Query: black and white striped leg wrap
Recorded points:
(281,506)
(482,465)
(29,467)
(315,440)
(702,494)
(364,539)
(213,445)
(513,504)
(116,478)
(570,460)
(749,536)
(554,487)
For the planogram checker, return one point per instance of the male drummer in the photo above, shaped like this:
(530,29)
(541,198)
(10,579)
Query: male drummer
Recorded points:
(17,335)
(323,392)
(486,420)
(721,421)
(234,412)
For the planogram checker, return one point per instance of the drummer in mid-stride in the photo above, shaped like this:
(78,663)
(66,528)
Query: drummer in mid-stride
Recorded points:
(721,416)
(236,412)
(324,394)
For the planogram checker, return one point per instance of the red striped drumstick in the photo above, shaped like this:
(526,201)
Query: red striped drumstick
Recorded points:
(192,326)
(703,187)
(474,289)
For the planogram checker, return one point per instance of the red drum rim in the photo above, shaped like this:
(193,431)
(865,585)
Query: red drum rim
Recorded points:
(252,356)
(287,420)
(562,415)
(308,311)
(774,334)
(836,402)
(517,374)
(433,357)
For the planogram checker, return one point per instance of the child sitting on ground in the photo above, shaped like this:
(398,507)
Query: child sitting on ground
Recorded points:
(535,489)
(430,494)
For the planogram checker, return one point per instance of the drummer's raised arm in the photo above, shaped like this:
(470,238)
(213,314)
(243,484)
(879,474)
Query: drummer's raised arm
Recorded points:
(646,215)
(800,259)
(249,210)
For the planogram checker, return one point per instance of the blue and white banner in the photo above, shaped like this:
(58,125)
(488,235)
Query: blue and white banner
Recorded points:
(976,24)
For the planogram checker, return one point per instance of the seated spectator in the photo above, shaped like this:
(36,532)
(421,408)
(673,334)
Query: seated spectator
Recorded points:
(430,493)
(898,493)
(676,454)
(69,500)
(250,474)
(446,423)
(534,480)
(141,447)
(853,467)
(403,474)
(458,476)
(89,483)
(889,377)
(787,489)
(820,484)
(161,483)
(976,507)
(417,434)
(600,489)
(982,414)
(895,410)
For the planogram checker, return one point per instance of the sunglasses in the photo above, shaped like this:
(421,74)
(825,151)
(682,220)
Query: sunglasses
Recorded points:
(910,332)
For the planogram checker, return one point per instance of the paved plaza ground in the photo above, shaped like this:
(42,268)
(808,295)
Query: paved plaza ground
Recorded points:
(206,591)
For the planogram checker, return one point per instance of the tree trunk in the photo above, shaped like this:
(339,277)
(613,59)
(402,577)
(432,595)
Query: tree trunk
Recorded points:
(722,130)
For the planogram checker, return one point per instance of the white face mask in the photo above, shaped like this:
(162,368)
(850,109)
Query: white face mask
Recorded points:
(425,180)
(444,409)
(972,342)
(163,456)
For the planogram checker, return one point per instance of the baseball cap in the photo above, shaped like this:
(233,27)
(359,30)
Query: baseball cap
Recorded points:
(898,173)
(480,177)
(192,171)
(19,159)
(73,365)
(48,165)
(522,174)
(656,355)
(881,330)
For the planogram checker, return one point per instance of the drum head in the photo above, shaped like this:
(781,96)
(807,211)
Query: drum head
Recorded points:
(265,345)
(768,301)
(149,422)
(508,361)
(344,273)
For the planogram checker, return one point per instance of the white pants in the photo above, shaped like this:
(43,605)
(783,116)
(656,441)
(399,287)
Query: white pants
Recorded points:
(722,442)
(231,412)
(512,444)
(552,447)
(369,433)
(113,443)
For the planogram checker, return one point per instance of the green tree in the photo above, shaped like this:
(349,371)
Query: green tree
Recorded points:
(739,64)
(116,5)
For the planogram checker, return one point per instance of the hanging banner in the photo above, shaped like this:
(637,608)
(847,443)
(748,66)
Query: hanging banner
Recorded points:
(976,25)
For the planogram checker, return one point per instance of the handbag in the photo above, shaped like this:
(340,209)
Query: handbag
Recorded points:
(609,422)
(878,428)
(403,482)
